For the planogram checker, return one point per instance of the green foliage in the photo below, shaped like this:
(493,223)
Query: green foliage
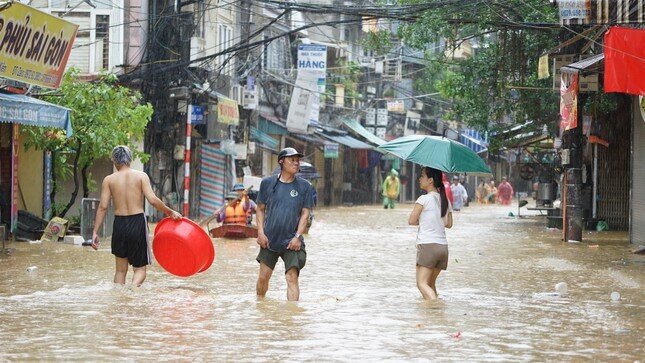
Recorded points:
(379,42)
(103,115)
(57,208)
(499,81)
(347,74)
(600,104)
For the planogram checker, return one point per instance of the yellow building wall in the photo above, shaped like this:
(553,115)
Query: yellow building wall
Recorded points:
(30,178)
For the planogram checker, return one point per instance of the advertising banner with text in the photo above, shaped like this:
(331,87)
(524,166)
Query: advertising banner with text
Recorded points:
(34,46)
(312,70)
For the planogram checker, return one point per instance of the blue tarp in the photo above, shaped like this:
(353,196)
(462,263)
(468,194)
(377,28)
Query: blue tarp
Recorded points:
(27,110)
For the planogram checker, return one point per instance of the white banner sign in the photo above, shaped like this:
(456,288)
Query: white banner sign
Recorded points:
(312,69)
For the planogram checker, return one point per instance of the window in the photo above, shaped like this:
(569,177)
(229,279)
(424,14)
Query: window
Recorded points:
(102,52)
(80,54)
(200,20)
(224,42)
(274,57)
(88,39)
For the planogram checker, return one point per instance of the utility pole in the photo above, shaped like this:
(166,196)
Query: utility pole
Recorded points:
(572,144)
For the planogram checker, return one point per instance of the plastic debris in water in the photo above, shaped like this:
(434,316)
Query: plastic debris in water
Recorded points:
(561,288)
(615,296)
(32,268)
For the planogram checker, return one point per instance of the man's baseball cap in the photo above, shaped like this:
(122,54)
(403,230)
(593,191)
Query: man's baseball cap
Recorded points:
(289,151)
(238,186)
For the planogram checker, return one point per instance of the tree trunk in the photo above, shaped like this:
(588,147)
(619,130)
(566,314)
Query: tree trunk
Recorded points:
(86,189)
(72,198)
(52,194)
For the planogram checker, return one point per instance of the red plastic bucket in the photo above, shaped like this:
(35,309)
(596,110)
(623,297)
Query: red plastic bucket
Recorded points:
(182,247)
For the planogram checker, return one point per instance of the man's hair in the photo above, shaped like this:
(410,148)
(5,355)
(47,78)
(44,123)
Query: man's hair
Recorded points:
(121,155)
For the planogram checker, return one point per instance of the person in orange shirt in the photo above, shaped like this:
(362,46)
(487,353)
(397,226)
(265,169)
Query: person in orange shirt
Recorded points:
(235,211)
(250,205)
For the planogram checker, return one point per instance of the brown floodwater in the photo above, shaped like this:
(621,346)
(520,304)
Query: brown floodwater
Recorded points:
(358,298)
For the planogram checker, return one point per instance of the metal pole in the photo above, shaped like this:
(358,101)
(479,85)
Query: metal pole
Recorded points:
(13,226)
(186,212)
(47,187)
(595,181)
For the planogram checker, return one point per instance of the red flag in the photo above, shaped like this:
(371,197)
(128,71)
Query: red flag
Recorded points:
(624,50)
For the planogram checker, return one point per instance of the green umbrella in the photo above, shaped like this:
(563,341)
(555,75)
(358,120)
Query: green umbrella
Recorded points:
(437,152)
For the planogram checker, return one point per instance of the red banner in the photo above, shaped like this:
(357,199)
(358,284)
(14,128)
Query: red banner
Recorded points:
(568,101)
(625,60)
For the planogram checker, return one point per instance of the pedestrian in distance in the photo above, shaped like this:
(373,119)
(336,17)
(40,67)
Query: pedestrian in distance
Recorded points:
(432,212)
(126,188)
(459,194)
(491,197)
(470,190)
(504,192)
(391,189)
(284,203)
(481,192)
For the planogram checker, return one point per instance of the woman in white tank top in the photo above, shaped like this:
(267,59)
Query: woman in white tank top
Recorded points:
(433,214)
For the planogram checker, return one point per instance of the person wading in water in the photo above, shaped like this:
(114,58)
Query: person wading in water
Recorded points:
(433,214)
(284,203)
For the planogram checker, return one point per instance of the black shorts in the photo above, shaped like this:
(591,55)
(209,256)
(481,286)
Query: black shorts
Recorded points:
(291,259)
(130,239)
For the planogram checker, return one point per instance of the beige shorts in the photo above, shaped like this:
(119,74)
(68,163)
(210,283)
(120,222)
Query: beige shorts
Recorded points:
(432,255)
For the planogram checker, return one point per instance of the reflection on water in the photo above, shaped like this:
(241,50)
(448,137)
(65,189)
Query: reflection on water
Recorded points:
(358,298)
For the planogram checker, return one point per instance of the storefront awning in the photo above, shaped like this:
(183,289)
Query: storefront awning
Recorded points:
(588,65)
(348,141)
(360,130)
(31,111)
(307,138)
(264,139)
(271,125)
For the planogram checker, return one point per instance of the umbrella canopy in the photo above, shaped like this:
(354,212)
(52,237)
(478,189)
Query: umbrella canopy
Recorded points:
(437,152)
(307,171)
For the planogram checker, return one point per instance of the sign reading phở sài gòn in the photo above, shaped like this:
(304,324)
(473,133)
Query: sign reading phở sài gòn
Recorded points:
(34,46)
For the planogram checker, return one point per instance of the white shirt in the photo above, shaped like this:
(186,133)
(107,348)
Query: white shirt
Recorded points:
(432,227)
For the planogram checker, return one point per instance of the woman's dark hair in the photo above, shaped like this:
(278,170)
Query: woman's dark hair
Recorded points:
(437,180)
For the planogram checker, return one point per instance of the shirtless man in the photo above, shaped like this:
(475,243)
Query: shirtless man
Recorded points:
(127,188)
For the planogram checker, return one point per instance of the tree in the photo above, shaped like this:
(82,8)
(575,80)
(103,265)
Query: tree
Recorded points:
(103,115)
(498,83)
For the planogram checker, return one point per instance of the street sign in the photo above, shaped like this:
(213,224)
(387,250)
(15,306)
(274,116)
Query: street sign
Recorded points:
(331,150)
(197,115)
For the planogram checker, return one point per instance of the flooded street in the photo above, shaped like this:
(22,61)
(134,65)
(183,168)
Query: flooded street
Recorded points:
(358,298)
